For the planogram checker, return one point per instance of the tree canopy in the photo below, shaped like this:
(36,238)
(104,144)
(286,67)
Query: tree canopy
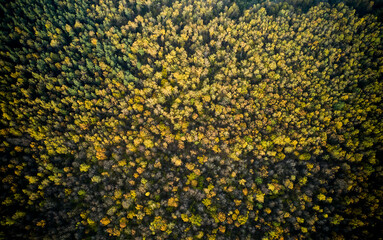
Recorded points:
(191,119)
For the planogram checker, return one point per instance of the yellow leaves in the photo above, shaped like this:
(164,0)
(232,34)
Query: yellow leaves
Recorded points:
(117,194)
(321,197)
(327,119)
(54,43)
(202,159)
(260,197)
(268,210)
(206,98)
(197,171)
(82,126)
(84,168)
(263,171)
(67,191)
(289,184)
(140,170)
(137,141)
(310,166)
(121,163)
(133,194)
(337,219)
(31,179)
(15,74)
(271,187)
(237,202)
(139,18)
(195,220)
(130,215)
(176,161)
(144,181)
(90,221)
(199,106)
(68,28)
(113,232)
(123,222)
(282,140)
(83,215)
(100,153)
(245,191)
(300,220)
(157,164)
(41,223)
(148,143)
(194,183)
(273,65)
(169,90)
(206,202)
(304,157)
(243,219)
(190,166)
(173,202)
(303,181)
(185,217)
(94,41)
(316,208)
(222,229)
(138,206)
(158,224)
(105,221)
(78,24)
(138,107)
(221,216)
(210,187)
(88,104)
(209,192)
(103,66)
(306,198)
(250,203)
(242,182)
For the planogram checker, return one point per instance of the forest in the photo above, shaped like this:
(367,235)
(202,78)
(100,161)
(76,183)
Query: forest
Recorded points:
(191,119)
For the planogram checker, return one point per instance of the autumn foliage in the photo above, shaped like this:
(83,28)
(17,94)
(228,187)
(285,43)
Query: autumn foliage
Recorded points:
(190,119)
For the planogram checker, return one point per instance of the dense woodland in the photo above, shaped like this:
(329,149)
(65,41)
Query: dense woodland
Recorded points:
(191,119)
